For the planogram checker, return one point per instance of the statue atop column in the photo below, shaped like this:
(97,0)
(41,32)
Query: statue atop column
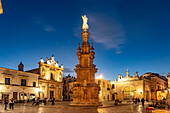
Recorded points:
(85,25)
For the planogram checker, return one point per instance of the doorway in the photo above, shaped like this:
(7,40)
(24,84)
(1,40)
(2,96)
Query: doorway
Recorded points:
(128,93)
(147,95)
(113,96)
(108,97)
(15,95)
(51,94)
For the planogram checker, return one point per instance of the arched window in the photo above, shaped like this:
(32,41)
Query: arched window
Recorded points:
(52,76)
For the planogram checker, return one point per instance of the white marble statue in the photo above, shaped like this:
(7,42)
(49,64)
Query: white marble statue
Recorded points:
(85,25)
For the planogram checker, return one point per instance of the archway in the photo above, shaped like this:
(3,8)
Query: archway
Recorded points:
(128,93)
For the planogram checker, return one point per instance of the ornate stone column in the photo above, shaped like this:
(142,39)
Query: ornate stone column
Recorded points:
(85,90)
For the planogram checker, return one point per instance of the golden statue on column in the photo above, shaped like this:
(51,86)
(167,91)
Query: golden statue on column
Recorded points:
(85,90)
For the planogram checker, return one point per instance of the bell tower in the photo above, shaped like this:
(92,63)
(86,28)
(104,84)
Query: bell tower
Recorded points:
(85,90)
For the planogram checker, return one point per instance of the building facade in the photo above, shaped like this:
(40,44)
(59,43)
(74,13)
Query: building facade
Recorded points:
(50,79)
(68,83)
(147,86)
(44,82)
(18,84)
(158,85)
(106,92)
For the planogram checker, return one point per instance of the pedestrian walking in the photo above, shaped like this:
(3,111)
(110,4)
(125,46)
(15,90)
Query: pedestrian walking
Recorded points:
(11,103)
(45,101)
(38,101)
(143,100)
(138,100)
(6,103)
(53,99)
(33,101)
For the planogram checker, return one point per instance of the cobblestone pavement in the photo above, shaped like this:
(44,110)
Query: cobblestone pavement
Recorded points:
(63,107)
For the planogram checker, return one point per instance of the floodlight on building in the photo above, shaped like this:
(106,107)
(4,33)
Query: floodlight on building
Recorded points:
(100,76)
(166,91)
(39,90)
(140,91)
(58,79)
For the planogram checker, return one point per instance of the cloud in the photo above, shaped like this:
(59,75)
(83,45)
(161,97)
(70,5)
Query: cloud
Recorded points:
(68,70)
(45,26)
(118,52)
(105,30)
(49,28)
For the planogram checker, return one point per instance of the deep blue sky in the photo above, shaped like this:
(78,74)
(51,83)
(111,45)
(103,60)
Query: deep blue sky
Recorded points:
(127,34)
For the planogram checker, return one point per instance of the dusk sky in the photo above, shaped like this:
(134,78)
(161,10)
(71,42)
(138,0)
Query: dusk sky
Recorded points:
(127,34)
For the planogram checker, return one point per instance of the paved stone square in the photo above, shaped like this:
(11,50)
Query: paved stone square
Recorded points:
(63,107)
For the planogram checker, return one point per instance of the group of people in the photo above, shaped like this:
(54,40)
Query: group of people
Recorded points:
(11,103)
(7,101)
(137,100)
(45,100)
